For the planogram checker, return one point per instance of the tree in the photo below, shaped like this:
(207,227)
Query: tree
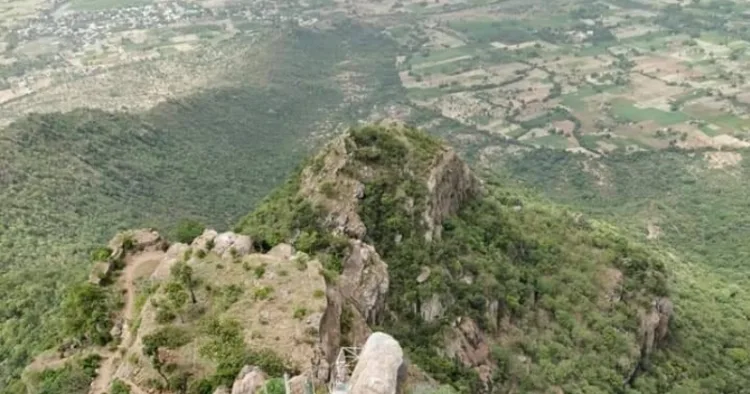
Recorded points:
(188,229)
(176,297)
(183,273)
(168,337)
(86,314)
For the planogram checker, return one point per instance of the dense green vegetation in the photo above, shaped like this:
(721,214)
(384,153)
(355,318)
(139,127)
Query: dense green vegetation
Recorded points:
(85,312)
(73,377)
(502,248)
(701,213)
(69,181)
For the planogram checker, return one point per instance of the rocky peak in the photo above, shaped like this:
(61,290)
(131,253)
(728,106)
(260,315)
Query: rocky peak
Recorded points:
(338,178)
(449,184)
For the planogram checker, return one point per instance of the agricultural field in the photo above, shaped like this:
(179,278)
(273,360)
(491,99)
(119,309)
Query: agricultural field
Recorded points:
(587,76)
(129,54)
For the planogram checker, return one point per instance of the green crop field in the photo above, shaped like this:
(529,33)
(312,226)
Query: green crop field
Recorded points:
(627,111)
(96,5)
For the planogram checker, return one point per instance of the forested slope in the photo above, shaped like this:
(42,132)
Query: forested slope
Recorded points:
(69,181)
(692,205)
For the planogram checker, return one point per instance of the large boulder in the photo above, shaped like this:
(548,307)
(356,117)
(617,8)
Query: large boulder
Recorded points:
(202,241)
(249,381)
(229,245)
(299,384)
(380,368)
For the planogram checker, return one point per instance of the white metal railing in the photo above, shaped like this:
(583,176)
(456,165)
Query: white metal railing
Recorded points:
(342,370)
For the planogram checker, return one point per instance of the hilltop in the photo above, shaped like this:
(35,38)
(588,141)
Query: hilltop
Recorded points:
(486,288)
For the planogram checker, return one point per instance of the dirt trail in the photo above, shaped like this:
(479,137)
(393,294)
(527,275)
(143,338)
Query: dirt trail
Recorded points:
(111,359)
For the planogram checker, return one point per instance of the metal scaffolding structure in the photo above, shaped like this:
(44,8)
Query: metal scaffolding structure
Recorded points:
(342,370)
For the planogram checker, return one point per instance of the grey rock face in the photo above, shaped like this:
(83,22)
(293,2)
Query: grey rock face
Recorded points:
(249,381)
(229,245)
(379,368)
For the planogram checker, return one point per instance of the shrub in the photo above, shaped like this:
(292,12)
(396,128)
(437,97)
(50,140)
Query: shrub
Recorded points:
(118,387)
(329,190)
(187,230)
(128,243)
(275,386)
(259,271)
(301,263)
(101,253)
(69,379)
(300,313)
(169,337)
(318,293)
(262,293)
(90,364)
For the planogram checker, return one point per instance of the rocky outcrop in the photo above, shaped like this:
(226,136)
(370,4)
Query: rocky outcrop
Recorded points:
(355,301)
(341,207)
(279,309)
(230,245)
(467,343)
(100,271)
(449,185)
(299,384)
(655,324)
(204,240)
(380,368)
(432,309)
(122,245)
(654,330)
(227,245)
(364,281)
(250,380)
(141,240)
(175,253)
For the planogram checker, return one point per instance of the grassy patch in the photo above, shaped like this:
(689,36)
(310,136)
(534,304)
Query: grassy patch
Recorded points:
(430,56)
(575,100)
(625,110)
(425,94)
(97,5)
(554,141)
(485,31)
